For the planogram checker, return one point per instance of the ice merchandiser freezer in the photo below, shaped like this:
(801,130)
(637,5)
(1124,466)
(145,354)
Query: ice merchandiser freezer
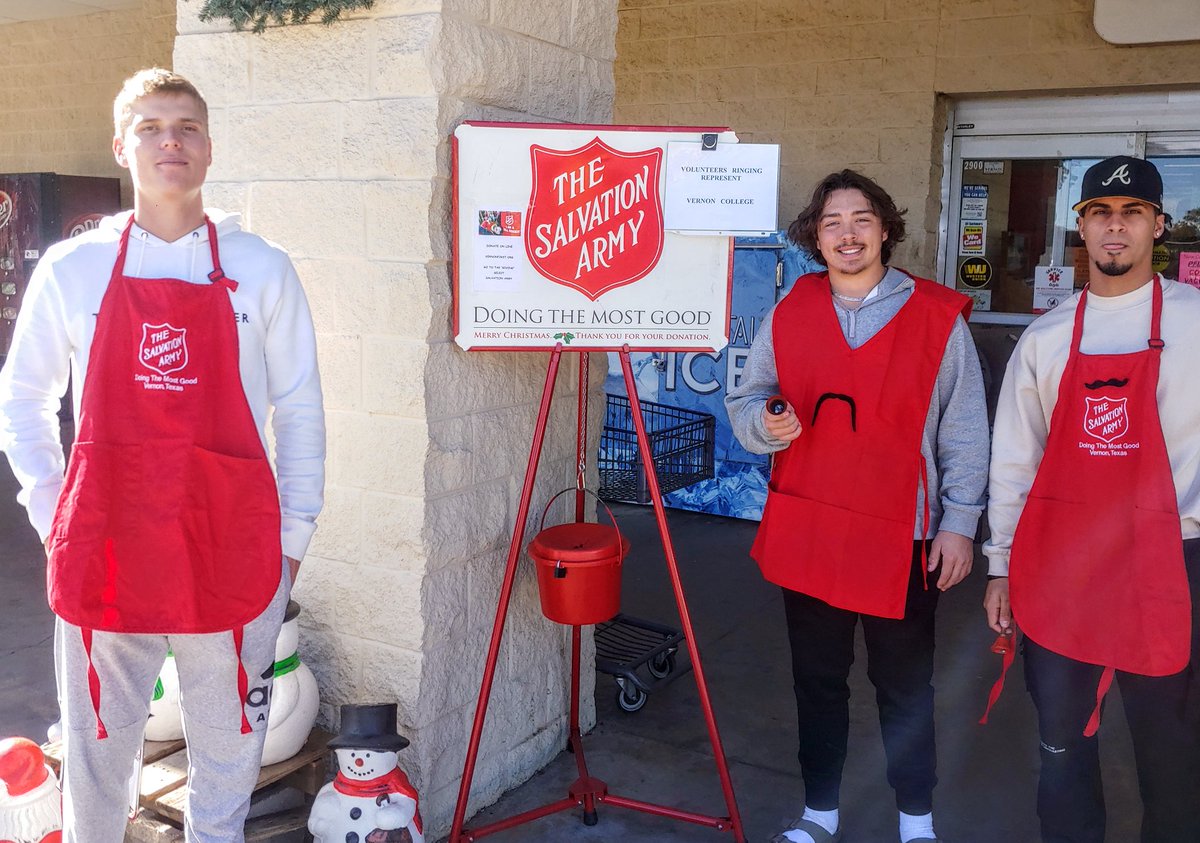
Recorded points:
(36,211)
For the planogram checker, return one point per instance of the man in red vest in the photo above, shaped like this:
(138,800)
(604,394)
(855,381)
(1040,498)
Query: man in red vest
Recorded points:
(876,488)
(1095,517)
(169,527)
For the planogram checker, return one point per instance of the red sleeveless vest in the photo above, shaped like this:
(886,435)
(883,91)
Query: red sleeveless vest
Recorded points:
(840,515)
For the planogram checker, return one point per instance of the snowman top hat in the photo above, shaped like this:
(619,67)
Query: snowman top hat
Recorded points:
(369,727)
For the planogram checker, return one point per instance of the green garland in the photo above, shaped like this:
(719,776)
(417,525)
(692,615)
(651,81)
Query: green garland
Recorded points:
(256,14)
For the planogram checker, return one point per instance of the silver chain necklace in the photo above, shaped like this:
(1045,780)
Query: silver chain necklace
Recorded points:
(843,297)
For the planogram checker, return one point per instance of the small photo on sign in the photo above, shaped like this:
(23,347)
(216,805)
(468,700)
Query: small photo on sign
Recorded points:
(500,223)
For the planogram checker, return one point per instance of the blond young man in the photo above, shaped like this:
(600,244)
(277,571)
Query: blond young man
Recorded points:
(169,527)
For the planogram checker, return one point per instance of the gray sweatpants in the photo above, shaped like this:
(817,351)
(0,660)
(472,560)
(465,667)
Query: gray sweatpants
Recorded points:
(223,763)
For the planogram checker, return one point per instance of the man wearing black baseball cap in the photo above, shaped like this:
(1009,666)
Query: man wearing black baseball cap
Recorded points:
(1095,517)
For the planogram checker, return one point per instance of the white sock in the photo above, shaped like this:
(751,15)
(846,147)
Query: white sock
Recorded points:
(828,820)
(915,826)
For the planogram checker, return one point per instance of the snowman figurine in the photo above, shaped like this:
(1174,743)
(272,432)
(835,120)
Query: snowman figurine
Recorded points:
(166,721)
(294,695)
(370,800)
(30,804)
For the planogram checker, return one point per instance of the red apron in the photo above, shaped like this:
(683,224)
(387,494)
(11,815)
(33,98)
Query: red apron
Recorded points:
(840,518)
(168,520)
(1096,570)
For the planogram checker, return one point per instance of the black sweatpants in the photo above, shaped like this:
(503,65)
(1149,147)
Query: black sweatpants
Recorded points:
(899,665)
(1164,722)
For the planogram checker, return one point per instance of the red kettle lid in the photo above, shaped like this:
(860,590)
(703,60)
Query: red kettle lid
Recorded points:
(582,541)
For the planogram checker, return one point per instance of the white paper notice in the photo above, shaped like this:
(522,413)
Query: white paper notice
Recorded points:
(1052,285)
(498,265)
(733,188)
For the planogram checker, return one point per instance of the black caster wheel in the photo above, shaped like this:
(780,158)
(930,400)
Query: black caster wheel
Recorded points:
(631,698)
(662,665)
(590,818)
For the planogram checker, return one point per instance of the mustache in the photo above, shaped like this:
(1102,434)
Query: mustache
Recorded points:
(1118,382)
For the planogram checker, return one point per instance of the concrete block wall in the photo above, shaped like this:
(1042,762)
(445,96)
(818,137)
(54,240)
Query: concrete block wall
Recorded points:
(335,142)
(58,78)
(863,83)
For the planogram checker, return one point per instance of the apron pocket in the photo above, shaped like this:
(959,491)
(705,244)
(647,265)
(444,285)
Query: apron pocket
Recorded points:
(81,577)
(1128,612)
(230,528)
(852,560)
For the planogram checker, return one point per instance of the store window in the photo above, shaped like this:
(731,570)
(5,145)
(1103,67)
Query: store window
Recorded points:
(1178,159)
(1008,228)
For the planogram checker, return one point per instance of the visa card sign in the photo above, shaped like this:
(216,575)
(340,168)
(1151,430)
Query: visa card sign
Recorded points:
(559,238)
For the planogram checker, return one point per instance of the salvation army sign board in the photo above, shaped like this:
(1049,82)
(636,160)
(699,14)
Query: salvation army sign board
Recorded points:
(559,237)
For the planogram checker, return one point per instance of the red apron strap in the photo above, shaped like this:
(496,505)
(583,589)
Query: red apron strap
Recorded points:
(1006,646)
(1156,307)
(1106,680)
(93,683)
(924,521)
(243,682)
(1077,330)
(217,276)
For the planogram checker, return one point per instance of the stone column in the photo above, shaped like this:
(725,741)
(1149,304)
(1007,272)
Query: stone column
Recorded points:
(335,142)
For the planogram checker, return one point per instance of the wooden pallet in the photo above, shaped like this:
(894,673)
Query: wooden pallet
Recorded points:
(164,790)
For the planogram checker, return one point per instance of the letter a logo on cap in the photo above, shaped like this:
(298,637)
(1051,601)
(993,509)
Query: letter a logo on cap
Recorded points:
(1120,174)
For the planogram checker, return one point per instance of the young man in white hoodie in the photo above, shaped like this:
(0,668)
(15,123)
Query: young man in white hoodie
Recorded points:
(167,527)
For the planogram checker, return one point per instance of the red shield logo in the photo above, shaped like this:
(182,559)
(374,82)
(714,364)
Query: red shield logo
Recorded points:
(1106,419)
(595,219)
(163,348)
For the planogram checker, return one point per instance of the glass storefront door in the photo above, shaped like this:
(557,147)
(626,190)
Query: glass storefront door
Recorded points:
(1010,239)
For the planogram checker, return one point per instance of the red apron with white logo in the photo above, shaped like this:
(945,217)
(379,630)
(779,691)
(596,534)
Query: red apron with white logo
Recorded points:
(1096,570)
(168,520)
(840,516)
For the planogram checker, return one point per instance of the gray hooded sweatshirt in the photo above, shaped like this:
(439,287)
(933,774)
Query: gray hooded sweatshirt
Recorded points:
(955,441)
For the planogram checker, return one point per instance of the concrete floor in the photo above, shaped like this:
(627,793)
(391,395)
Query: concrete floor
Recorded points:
(662,753)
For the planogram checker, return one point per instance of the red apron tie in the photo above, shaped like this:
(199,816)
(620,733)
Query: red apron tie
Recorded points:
(924,522)
(93,683)
(1006,647)
(1093,724)
(243,682)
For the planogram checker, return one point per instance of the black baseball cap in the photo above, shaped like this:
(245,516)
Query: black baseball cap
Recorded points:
(1121,175)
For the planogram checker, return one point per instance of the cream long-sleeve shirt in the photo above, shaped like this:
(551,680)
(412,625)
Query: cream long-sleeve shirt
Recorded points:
(1113,325)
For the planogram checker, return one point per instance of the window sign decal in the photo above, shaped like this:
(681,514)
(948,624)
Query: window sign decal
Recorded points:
(972,237)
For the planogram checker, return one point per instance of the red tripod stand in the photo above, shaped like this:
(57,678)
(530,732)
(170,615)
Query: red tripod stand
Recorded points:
(586,791)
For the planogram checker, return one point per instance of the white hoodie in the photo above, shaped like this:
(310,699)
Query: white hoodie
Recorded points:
(278,357)
(1112,325)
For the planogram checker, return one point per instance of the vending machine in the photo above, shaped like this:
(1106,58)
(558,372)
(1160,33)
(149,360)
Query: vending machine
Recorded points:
(36,211)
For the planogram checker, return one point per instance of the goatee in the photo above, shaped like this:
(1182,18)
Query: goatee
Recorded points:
(1112,268)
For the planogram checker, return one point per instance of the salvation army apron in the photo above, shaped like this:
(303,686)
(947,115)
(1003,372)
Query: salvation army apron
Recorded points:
(839,520)
(1097,571)
(168,520)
